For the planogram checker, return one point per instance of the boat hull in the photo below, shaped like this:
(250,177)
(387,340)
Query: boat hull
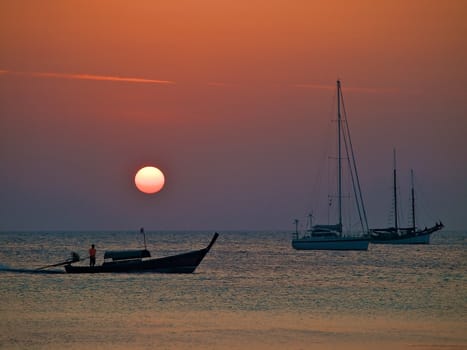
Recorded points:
(417,237)
(425,239)
(341,243)
(181,263)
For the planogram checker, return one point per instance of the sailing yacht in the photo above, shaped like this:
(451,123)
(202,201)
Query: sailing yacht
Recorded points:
(403,235)
(332,237)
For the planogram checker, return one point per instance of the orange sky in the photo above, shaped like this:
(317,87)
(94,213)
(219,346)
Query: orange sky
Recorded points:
(242,42)
(249,95)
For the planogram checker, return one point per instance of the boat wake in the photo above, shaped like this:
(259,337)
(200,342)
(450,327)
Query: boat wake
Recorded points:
(4,268)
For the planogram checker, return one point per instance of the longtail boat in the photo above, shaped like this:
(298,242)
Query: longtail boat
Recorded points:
(127,261)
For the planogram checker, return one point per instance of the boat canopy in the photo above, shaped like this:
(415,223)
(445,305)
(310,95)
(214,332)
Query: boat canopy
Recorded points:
(126,254)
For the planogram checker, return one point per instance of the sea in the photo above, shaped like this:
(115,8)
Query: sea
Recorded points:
(252,291)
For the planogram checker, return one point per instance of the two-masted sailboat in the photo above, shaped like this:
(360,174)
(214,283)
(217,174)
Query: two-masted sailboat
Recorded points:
(332,237)
(403,235)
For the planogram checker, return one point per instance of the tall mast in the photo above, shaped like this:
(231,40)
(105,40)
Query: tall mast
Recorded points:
(413,201)
(395,194)
(339,160)
(144,237)
(296,228)
(310,221)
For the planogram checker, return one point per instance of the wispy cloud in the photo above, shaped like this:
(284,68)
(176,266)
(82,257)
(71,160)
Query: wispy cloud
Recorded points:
(315,86)
(366,90)
(89,77)
(220,84)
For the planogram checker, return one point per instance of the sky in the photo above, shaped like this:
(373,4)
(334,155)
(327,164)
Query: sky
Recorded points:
(232,100)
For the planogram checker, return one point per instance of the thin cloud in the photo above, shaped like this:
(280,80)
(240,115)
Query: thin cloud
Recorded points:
(220,84)
(366,90)
(373,90)
(315,86)
(90,77)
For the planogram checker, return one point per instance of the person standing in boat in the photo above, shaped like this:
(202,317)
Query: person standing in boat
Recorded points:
(92,256)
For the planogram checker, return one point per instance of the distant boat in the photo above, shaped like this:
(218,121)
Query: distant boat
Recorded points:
(403,235)
(331,237)
(140,261)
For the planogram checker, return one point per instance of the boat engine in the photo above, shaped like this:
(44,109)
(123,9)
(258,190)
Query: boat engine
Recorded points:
(74,257)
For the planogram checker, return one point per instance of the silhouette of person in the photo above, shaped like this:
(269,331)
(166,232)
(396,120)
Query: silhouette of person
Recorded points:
(92,256)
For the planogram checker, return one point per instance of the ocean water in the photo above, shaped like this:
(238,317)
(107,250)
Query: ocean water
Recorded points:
(251,291)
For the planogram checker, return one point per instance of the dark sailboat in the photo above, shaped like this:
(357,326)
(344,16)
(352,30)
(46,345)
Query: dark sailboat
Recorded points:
(403,235)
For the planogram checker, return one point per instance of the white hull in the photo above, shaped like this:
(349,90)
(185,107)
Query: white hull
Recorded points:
(337,243)
(420,239)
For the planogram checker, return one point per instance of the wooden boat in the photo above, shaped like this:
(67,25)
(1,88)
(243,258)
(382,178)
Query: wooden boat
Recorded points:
(403,235)
(332,237)
(129,261)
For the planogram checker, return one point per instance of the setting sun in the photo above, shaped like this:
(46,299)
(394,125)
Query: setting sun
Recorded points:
(149,179)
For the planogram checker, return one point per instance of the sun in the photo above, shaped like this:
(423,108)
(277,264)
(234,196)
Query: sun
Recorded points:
(149,180)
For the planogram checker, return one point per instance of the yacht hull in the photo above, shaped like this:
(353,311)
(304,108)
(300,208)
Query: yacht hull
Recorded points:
(344,243)
(417,237)
(425,239)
